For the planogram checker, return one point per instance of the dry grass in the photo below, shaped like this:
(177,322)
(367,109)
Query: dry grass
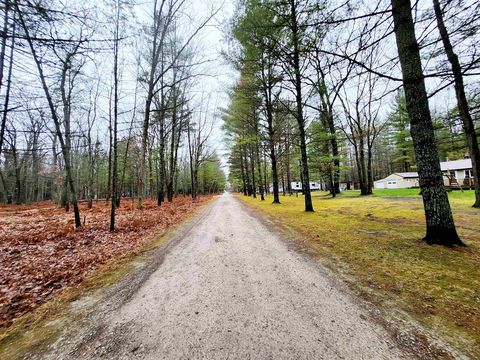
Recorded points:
(377,241)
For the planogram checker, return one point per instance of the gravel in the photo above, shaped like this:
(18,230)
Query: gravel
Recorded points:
(233,289)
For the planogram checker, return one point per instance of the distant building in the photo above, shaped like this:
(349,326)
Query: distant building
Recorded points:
(455,173)
(401,180)
(459,169)
(297,185)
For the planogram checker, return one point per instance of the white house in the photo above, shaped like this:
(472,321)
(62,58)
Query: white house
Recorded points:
(401,180)
(457,171)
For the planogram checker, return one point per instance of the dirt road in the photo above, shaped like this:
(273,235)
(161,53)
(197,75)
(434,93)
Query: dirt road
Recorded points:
(231,289)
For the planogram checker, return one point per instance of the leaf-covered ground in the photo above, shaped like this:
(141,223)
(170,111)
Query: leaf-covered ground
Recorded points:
(41,253)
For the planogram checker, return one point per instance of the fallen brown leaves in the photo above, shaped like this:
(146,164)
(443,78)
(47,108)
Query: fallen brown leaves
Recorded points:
(41,253)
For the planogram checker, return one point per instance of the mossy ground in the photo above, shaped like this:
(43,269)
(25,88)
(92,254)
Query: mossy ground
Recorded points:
(376,240)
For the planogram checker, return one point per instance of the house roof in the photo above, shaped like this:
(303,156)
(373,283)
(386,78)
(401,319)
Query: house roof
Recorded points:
(412,174)
(456,164)
(405,175)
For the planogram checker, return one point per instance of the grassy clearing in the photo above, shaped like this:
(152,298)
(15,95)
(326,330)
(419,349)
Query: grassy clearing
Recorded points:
(377,241)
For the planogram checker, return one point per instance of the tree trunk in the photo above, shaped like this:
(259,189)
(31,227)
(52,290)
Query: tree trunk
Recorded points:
(287,161)
(2,65)
(91,173)
(247,175)
(195,182)
(192,180)
(56,166)
(242,169)
(4,42)
(18,182)
(143,156)
(193,167)
(35,169)
(259,170)
(273,160)
(438,214)
(256,154)
(6,195)
(161,188)
(51,105)
(172,162)
(252,168)
(299,110)
(363,173)
(271,139)
(115,119)
(9,76)
(462,103)
(265,176)
(151,183)
(369,170)
(326,152)
(64,202)
(327,105)
(110,146)
(359,169)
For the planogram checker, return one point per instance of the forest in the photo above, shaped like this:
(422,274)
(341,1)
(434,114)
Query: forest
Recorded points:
(323,97)
(104,107)
(149,140)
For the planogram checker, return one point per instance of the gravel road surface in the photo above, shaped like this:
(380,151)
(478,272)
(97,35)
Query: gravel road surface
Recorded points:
(232,289)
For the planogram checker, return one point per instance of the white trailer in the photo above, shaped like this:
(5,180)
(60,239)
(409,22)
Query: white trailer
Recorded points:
(297,185)
(315,186)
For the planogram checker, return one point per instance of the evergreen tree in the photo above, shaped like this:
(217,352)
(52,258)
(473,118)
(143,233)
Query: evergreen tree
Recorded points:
(399,124)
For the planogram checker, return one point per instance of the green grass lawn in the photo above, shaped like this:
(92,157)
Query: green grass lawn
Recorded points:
(376,240)
(455,194)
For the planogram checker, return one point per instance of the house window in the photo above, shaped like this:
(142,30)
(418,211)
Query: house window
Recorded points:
(468,173)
